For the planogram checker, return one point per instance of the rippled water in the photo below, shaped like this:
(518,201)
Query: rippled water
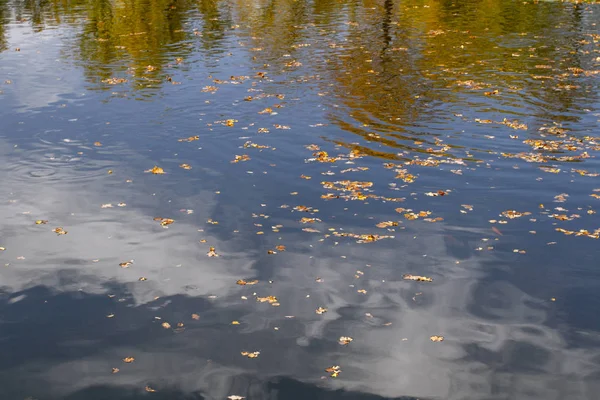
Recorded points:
(327,152)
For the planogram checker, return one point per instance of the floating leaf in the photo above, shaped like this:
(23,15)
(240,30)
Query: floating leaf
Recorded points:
(416,278)
(436,194)
(59,231)
(212,252)
(253,354)
(243,157)
(156,170)
(189,139)
(243,282)
(512,214)
(334,371)
(344,340)
(386,224)
(268,299)
(436,338)
(305,220)
(164,221)
(129,360)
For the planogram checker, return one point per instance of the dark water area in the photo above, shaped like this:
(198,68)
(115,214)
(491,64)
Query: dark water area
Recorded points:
(299,200)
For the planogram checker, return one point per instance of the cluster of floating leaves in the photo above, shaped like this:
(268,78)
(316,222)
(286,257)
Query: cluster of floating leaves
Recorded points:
(334,371)
(362,238)
(354,190)
(582,232)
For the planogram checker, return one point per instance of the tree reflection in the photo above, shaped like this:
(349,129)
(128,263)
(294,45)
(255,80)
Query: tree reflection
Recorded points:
(393,64)
(4,19)
(133,37)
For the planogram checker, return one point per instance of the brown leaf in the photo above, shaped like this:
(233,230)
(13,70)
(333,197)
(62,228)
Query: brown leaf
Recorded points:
(243,282)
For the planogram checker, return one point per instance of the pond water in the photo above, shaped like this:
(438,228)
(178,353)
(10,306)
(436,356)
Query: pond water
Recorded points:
(299,199)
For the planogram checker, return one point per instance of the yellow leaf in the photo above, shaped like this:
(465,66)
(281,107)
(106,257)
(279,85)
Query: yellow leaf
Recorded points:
(212,252)
(343,340)
(417,278)
(156,170)
(334,371)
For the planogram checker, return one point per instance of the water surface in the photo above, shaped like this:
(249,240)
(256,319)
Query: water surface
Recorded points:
(326,151)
